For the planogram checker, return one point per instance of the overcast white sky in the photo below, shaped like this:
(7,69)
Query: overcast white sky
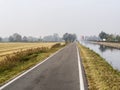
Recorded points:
(44,17)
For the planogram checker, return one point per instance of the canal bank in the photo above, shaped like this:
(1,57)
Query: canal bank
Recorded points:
(100,74)
(109,44)
(110,54)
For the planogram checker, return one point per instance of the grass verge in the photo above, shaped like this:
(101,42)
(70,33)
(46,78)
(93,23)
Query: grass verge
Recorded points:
(21,61)
(100,74)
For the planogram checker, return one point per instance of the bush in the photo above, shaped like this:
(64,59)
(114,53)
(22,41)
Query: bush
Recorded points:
(56,45)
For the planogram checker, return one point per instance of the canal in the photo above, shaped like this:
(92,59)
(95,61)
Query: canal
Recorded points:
(111,55)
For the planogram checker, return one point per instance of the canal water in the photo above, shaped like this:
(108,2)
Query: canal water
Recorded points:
(111,55)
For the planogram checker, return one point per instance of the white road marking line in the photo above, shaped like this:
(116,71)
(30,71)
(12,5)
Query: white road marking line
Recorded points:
(2,87)
(82,86)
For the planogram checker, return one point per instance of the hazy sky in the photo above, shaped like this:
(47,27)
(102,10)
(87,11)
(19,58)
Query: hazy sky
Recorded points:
(44,17)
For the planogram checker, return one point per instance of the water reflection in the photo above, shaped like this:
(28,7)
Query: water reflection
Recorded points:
(111,55)
(103,48)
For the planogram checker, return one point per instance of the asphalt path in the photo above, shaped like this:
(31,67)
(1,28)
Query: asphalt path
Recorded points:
(59,72)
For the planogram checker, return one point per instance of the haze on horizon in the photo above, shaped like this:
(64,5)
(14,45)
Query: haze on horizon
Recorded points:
(44,17)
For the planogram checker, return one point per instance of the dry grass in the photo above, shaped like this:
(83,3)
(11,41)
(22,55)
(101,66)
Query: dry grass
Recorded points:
(10,48)
(7,48)
(100,74)
(13,64)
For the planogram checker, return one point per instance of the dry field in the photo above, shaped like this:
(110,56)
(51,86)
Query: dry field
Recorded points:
(18,57)
(9,48)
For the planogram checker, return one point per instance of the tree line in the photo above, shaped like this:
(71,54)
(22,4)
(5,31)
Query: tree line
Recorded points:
(109,37)
(103,36)
(67,37)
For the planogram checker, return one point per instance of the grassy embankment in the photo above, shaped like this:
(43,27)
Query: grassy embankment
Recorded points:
(109,44)
(100,74)
(22,60)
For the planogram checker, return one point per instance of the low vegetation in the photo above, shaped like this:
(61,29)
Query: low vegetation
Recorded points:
(22,60)
(100,74)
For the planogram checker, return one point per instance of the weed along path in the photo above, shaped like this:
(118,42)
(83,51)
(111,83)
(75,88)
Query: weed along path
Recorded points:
(100,74)
(61,71)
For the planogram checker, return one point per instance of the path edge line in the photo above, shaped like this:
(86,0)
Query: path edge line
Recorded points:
(81,80)
(27,71)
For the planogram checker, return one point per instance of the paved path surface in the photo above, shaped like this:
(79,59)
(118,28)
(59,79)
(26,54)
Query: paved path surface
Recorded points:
(59,72)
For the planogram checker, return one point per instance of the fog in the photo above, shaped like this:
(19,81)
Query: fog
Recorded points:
(44,17)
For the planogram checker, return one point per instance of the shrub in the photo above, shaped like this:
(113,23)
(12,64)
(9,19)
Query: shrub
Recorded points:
(56,45)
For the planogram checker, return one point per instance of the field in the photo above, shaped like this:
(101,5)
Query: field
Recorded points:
(17,60)
(9,48)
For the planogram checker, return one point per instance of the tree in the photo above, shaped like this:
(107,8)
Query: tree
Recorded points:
(40,39)
(118,38)
(65,37)
(10,39)
(15,38)
(48,38)
(0,39)
(103,35)
(52,38)
(74,37)
(69,37)
(25,39)
(55,37)
(111,37)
